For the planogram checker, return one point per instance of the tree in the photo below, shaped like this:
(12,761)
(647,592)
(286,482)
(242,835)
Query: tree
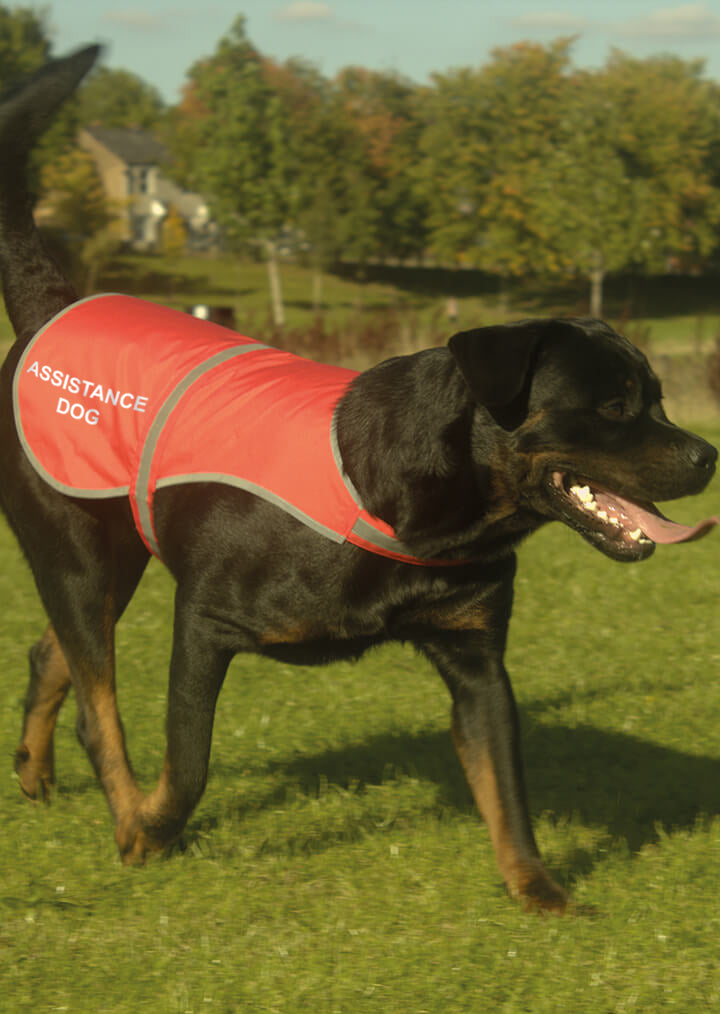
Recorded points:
(24,43)
(670,121)
(231,141)
(281,152)
(314,135)
(386,214)
(628,185)
(118,98)
(531,167)
(485,135)
(173,237)
(76,206)
(24,46)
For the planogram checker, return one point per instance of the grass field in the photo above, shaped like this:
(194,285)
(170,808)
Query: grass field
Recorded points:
(336,864)
(674,312)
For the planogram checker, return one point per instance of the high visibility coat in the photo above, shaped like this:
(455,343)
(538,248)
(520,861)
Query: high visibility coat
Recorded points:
(120,397)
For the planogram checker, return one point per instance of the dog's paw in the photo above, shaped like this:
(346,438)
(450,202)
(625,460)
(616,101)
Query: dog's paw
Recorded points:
(136,844)
(37,777)
(544,895)
(538,892)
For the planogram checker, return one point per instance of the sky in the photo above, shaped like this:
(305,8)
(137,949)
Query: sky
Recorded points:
(160,39)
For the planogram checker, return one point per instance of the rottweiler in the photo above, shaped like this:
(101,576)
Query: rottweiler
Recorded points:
(448,459)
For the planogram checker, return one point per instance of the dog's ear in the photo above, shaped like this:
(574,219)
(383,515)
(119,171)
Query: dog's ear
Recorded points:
(496,363)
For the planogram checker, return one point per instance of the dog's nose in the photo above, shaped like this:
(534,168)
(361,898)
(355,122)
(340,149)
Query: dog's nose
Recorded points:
(702,455)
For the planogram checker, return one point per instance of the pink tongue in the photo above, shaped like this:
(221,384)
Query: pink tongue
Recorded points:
(654,526)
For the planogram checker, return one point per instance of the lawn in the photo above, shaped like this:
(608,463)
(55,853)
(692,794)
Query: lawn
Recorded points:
(675,314)
(336,865)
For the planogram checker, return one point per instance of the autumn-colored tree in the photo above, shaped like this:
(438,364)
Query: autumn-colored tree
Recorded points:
(174,233)
(386,213)
(279,150)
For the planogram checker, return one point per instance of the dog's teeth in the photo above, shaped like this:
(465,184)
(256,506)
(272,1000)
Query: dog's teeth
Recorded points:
(636,534)
(614,521)
(585,496)
(602,515)
(582,493)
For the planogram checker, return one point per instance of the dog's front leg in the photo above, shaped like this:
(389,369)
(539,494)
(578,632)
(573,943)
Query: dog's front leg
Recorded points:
(201,654)
(485,734)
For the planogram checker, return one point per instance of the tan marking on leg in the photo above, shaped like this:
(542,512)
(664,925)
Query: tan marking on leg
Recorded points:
(524,874)
(48,688)
(295,634)
(158,810)
(105,739)
(109,753)
(468,616)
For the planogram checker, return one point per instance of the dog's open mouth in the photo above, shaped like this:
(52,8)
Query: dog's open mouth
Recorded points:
(620,526)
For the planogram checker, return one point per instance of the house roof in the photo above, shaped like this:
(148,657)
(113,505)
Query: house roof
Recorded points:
(133,146)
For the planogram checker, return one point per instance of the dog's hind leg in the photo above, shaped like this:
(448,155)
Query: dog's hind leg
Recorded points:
(86,569)
(49,684)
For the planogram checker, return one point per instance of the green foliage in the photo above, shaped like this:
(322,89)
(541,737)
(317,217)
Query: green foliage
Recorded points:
(488,132)
(234,145)
(25,46)
(230,140)
(76,206)
(262,139)
(522,167)
(629,184)
(24,42)
(75,194)
(336,863)
(381,213)
(531,167)
(118,98)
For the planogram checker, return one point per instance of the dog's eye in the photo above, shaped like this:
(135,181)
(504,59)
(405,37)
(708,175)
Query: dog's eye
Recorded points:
(614,409)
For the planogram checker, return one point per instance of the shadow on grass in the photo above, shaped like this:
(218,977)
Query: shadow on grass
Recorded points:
(175,284)
(624,295)
(618,784)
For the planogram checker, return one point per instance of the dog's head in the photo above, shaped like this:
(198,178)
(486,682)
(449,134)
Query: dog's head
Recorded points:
(582,413)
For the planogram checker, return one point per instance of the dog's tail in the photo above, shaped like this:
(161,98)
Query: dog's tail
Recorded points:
(33,285)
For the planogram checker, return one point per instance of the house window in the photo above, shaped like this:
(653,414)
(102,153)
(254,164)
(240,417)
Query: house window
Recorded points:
(143,176)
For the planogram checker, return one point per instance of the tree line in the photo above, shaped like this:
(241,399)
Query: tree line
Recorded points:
(524,166)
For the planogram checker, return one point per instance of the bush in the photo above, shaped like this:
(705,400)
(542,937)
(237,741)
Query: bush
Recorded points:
(361,341)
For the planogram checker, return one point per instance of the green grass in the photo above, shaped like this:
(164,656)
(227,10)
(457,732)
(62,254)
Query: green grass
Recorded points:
(678,313)
(335,863)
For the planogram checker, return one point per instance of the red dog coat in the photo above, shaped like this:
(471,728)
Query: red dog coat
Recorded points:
(116,396)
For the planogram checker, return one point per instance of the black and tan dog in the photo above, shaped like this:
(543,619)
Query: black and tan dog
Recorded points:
(462,451)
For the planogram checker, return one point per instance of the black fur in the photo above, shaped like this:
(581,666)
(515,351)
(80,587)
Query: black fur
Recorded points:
(455,448)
